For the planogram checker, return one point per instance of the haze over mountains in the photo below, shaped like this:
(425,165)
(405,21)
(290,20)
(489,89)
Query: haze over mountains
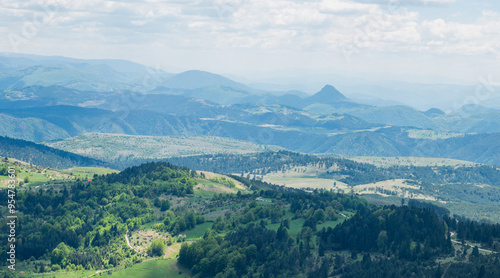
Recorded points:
(55,98)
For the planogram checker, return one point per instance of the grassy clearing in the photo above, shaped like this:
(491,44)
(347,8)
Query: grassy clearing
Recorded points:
(305,177)
(431,134)
(62,274)
(331,224)
(209,175)
(141,239)
(198,231)
(401,187)
(303,182)
(411,161)
(91,170)
(154,269)
(111,146)
(295,226)
(210,186)
(32,175)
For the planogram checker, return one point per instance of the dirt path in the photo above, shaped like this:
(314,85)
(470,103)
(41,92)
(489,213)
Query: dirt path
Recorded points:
(472,246)
(129,245)
(97,272)
(480,249)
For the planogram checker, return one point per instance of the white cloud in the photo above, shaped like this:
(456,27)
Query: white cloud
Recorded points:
(141,27)
(439,1)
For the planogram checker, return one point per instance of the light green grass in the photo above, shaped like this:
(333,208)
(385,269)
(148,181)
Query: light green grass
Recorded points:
(331,224)
(411,161)
(112,146)
(152,269)
(204,193)
(198,231)
(62,274)
(295,226)
(40,175)
(93,170)
(36,175)
(149,225)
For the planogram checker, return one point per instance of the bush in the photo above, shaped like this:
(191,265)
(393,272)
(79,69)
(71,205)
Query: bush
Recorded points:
(157,248)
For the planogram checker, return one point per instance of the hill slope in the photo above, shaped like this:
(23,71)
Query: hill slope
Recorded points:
(20,70)
(195,79)
(43,155)
(115,146)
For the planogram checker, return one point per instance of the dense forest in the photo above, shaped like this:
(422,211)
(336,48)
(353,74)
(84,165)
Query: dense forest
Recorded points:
(405,232)
(86,218)
(348,171)
(259,230)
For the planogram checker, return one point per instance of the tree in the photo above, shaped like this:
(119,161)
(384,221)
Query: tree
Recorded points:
(319,215)
(382,241)
(165,205)
(167,220)
(475,251)
(38,209)
(367,260)
(59,253)
(282,233)
(156,202)
(439,272)
(157,248)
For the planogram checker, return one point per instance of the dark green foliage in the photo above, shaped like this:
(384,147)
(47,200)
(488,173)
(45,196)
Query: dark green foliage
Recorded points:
(42,155)
(165,205)
(157,248)
(387,268)
(487,234)
(72,224)
(246,251)
(407,232)
(350,172)
(151,180)
(440,211)
(481,266)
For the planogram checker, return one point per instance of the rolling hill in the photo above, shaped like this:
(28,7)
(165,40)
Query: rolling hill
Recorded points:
(113,147)
(54,98)
(196,79)
(42,155)
(20,70)
(290,130)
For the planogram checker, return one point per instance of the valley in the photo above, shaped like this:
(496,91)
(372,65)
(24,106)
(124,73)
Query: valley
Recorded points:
(181,208)
(197,175)
(40,102)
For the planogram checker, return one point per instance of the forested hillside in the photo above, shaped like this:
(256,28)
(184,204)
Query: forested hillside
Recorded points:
(42,155)
(243,228)
(222,179)
(350,172)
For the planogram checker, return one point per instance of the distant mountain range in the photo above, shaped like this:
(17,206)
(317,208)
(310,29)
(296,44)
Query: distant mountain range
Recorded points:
(20,70)
(55,98)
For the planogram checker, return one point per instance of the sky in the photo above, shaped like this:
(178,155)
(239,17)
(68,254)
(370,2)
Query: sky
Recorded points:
(441,41)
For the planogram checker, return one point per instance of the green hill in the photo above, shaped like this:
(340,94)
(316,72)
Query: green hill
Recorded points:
(43,155)
(115,147)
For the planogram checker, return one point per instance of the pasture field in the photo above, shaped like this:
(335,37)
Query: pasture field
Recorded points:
(411,161)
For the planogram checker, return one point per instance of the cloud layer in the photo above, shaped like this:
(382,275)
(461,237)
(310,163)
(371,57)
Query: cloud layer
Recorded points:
(338,27)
